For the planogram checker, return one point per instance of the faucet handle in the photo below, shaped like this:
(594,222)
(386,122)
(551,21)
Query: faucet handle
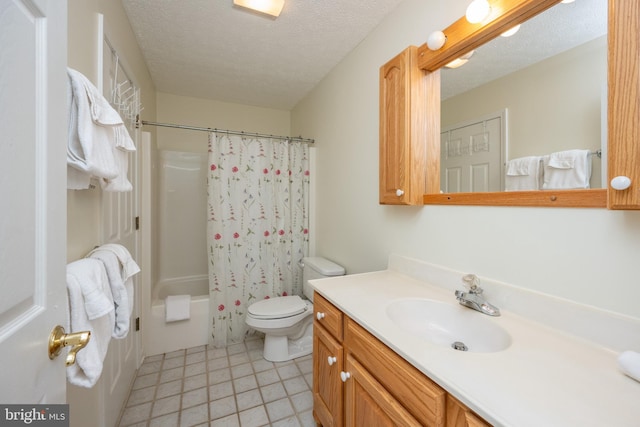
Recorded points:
(472,281)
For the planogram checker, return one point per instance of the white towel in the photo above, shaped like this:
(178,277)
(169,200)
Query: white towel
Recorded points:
(177,307)
(121,268)
(129,266)
(567,169)
(629,362)
(120,295)
(524,173)
(76,179)
(98,140)
(89,148)
(90,309)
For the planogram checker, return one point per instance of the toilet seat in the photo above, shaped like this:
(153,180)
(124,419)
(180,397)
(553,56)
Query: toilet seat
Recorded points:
(277,308)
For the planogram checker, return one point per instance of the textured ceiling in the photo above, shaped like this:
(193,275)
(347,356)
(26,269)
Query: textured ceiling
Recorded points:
(211,49)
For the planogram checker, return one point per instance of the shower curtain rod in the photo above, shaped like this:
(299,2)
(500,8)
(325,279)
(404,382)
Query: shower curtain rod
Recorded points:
(229,132)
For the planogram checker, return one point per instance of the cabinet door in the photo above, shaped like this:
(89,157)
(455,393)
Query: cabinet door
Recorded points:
(458,415)
(327,386)
(368,403)
(624,103)
(403,125)
(424,399)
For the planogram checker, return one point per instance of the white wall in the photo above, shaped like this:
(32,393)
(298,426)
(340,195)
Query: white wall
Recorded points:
(586,255)
(209,113)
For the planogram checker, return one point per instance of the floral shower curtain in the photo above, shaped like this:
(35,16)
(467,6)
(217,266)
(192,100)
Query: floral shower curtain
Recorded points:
(257,228)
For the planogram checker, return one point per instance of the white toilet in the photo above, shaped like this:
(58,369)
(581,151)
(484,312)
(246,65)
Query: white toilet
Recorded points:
(287,322)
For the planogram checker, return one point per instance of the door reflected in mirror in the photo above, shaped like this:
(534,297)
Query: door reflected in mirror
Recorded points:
(525,104)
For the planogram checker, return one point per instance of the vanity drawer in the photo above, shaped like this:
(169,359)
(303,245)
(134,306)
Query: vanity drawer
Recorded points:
(327,315)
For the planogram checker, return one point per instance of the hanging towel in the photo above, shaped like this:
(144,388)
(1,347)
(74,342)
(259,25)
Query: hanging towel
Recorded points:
(121,268)
(129,266)
(76,179)
(124,145)
(120,295)
(98,141)
(177,307)
(524,173)
(567,169)
(90,309)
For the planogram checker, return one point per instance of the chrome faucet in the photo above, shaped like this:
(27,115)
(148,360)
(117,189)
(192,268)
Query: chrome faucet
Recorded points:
(474,299)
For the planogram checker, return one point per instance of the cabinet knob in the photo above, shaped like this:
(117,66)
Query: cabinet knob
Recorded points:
(331,360)
(399,192)
(344,376)
(319,315)
(621,182)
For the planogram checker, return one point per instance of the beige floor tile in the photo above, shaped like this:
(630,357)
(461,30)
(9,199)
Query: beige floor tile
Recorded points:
(233,387)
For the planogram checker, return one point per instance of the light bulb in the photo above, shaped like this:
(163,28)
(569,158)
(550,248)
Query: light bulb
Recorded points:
(511,31)
(477,11)
(436,40)
(459,62)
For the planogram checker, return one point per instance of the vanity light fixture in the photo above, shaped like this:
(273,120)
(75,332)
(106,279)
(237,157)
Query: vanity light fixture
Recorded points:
(477,11)
(436,40)
(460,61)
(269,7)
(511,31)
(567,1)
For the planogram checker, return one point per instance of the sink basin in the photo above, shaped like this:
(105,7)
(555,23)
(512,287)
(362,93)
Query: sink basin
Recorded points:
(450,325)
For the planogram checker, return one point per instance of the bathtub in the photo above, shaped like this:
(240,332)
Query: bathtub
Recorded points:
(163,337)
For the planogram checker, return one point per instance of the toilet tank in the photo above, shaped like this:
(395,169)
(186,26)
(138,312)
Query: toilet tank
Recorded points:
(317,268)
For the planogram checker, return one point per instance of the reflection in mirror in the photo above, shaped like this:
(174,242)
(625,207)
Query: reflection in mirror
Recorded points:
(520,99)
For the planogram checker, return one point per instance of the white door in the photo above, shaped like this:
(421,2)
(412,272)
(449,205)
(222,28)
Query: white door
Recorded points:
(471,156)
(101,406)
(33,135)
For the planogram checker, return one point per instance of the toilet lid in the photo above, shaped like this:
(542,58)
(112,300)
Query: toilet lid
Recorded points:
(275,308)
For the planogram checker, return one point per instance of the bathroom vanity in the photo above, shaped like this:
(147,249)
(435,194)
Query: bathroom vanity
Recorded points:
(557,367)
(380,388)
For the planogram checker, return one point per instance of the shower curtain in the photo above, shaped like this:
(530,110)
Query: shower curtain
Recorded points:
(257,227)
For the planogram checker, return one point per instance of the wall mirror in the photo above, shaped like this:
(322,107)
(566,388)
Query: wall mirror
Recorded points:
(539,91)
(582,45)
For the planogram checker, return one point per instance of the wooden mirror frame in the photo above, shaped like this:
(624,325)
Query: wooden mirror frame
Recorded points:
(623,121)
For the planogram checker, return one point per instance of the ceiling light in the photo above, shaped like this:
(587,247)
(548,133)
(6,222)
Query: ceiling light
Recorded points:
(567,1)
(460,61)
(478,11)
(511,31)
(270,7)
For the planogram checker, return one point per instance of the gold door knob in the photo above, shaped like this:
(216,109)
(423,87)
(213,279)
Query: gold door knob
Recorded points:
(59,339)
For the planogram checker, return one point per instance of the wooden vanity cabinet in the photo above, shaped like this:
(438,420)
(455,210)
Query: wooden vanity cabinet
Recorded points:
(403,123)
(328,363)
(458,415)
(380,388)
(368,403)
(386,386)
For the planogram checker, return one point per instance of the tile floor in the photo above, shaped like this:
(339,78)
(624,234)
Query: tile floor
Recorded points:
(204,386)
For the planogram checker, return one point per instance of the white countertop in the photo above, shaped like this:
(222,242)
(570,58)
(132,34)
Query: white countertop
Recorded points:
(546,377)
